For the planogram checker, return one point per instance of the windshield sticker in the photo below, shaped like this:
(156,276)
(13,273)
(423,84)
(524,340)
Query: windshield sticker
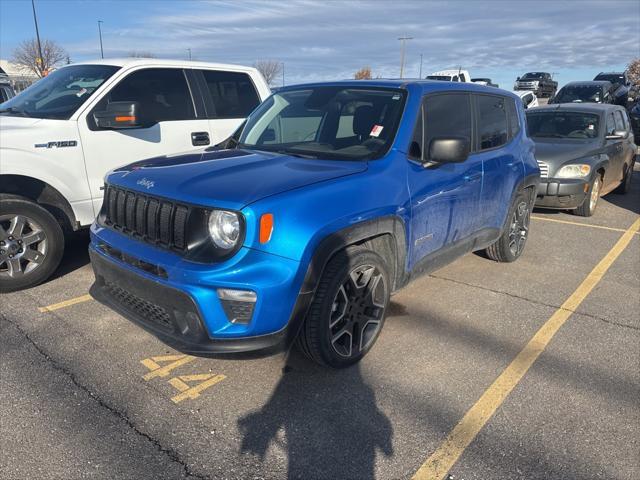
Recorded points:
(396,97)
(591,127)
(376,131)
(81,92)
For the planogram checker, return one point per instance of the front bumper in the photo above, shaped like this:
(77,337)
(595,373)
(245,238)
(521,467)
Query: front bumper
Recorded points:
(178,301)
(562,193)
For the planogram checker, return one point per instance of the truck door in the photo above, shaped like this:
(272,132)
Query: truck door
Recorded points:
(166,104)
(229,98)
(444,198)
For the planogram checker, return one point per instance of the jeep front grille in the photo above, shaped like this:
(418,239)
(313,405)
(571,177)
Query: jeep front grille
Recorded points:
(544,169)
(153,220)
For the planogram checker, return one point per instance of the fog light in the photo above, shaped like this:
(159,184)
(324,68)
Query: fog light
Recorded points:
(237,304)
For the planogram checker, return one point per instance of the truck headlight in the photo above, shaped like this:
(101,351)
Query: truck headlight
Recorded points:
(224,228)
(577,170)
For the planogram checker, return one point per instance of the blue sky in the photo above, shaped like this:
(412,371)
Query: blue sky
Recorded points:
(324,40)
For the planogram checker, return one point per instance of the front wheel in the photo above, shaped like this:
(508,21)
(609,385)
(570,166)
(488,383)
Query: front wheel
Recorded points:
(588,207)
(511,243)
(31,244)
(348,309)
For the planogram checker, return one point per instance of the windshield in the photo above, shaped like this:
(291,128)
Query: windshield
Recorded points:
(611,77)
(533,76)
(333,122)
(562,124)
(59,94)
(579,93)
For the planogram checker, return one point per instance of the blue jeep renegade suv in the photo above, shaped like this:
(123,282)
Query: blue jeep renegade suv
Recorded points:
(299,227)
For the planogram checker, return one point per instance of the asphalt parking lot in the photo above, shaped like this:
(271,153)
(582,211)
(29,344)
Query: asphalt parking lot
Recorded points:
(86,394)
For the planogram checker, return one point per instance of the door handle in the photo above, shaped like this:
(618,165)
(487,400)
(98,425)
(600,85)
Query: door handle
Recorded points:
(472,177)
(200,138)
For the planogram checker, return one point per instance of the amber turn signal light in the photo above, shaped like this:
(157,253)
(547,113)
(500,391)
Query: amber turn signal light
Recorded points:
(266,227)
(126,119)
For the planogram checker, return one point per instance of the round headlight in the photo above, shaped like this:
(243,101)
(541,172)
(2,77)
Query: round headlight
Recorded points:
(573,171)
(224,228)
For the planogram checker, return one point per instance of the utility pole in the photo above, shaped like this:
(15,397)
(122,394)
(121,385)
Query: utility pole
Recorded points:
(189,50)
(420,74)
(402,42)
(100,34)
(283,74)
(35,20)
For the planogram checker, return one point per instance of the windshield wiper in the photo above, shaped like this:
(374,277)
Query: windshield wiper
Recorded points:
(13,110)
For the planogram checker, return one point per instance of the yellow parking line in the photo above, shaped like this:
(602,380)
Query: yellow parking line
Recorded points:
(546,219)
(447,454)
(66,303)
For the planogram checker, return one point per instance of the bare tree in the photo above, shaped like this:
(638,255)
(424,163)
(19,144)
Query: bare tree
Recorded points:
(363,74)
(137,54)
(633,70)
(27,56)
(270,69)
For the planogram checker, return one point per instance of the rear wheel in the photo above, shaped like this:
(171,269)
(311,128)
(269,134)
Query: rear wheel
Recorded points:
(625,186)
(511,243)
(31,244)
(348,309)
(590,203)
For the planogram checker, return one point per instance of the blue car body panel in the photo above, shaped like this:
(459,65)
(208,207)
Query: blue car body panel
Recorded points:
(313,199)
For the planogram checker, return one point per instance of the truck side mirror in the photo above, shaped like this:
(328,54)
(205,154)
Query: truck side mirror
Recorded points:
(617,135)
(449,149)
(517,79)
(119,115)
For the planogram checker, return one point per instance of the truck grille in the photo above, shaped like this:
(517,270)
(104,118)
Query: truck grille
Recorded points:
(544,169)
(153,220)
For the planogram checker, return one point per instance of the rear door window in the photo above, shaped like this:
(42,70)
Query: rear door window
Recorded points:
(492,121)
(233,94)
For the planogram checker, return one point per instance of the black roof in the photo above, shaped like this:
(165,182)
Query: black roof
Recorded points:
(578,107)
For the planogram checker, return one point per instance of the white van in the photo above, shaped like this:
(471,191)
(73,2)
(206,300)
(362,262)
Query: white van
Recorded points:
(59,137)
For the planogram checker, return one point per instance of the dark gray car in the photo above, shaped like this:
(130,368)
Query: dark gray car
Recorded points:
(584,151)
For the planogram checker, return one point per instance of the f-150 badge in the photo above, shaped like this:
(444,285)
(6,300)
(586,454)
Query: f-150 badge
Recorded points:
(64,143)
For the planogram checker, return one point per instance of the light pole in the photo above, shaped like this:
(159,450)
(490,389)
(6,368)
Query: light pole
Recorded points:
(35,20)
(189,50)
(402,42)
(283,74)
(420,74)
(100,34)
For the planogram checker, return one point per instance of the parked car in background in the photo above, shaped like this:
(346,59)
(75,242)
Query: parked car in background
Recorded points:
(6,90)
(59,137)
(585,92)
(450,76)
(336,195)
(540,83)
(529,99)
(634,115)
(621,86)
(584,151)
(485,81)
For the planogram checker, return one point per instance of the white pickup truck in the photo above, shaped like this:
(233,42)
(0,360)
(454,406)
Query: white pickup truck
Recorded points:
(451,76)
(59,137)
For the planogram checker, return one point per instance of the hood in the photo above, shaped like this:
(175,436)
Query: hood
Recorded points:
(229,178)
(556,153)
(9,123)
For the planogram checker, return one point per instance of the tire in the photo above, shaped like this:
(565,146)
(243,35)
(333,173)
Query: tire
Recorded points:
(590,203)
(348,310)
(510,245)
(625,186)
(31,244)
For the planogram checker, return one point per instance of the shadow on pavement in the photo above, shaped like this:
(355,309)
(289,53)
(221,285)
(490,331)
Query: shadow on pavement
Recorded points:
(332,426)
(76,254)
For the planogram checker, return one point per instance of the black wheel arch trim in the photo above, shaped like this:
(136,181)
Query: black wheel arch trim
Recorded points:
(42,193)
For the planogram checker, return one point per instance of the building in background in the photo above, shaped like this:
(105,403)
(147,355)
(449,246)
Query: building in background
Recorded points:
(19,77)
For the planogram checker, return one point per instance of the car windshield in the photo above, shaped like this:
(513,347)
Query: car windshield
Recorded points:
(59,94)
(331,122)
(533,76)
(562,124)
(611,77)
(579,93)
(446,78)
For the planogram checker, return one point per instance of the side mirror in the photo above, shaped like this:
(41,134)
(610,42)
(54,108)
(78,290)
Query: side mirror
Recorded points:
(518,78)
(449,150)
(119,115)
(617,135)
